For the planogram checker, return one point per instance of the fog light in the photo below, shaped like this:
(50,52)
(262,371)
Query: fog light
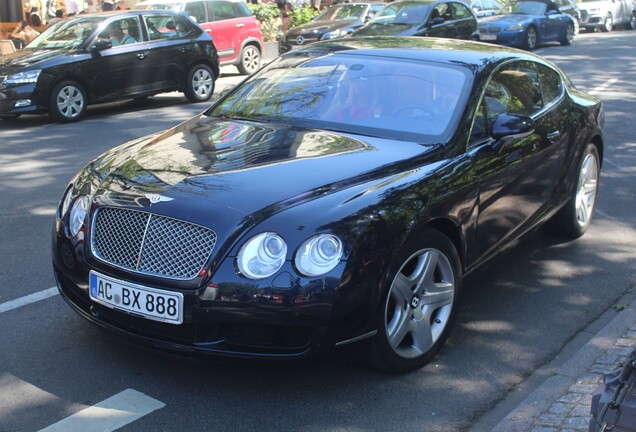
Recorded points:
(23,103)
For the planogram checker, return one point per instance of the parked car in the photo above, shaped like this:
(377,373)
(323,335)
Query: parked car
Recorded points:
(79,62)
(338,196)
(334,22)
(483,8)
(526,24)
(235,31)
(605,14)
(569,7)
(434,18)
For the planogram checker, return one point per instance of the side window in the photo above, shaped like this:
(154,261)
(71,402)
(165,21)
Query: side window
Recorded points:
(242,10)
(460,11)
(551,84)
(161,26)
(516,88)
(441,10)
(196,10)
(124,31)
(222,10)
(185,28)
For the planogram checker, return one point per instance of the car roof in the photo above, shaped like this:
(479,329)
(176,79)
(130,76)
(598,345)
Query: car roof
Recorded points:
(474,55)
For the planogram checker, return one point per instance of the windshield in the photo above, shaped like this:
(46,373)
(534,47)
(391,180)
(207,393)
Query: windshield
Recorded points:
(343,12)
(402,14)
(346,92)
(68,34)
(524,8)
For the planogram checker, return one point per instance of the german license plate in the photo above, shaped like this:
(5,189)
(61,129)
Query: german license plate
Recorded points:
(487,37)
(150,303)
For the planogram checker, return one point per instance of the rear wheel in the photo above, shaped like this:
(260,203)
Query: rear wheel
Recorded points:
(68,102)
(632,21)
(418,307)
(608,24)
(200,84)
(577,26)
(568,37)
(250,60)
(531,39)
(575,217)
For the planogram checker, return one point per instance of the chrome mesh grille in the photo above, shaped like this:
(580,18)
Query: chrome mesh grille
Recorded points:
(150,244)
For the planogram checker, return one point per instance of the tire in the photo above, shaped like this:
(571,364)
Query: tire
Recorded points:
(575,217)
(568,37)
(632,21)
(250,60)
(530,42)
(68,102)
(418,307)
(199,84)
(608,24)
(577,26)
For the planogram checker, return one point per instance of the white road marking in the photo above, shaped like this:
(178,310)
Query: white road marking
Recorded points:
(26,300)
(110,414)
(603,86)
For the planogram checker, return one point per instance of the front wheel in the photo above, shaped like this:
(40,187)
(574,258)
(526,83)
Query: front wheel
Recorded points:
(68,102)
(418,307)
(568,37)
(531,39)
(608,24)
(250,60)
(200,84)
(575,217)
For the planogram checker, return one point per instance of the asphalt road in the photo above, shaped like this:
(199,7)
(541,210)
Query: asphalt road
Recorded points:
(516,315)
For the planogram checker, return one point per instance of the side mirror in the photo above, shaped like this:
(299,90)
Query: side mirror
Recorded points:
(512,126)
(437,21)
(101,45)
(551,12)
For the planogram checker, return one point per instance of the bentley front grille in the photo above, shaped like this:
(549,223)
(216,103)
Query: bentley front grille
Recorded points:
(150,244)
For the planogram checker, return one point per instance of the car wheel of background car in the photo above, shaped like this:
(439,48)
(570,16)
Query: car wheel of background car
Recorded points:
(632,21)
(419,305)
(250,60)
(531,39)
(577,26)
(608,24)
(575,217)
(200,84)
(568,37)
(68,102)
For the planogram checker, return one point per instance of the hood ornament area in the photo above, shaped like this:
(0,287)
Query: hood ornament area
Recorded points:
(156,198)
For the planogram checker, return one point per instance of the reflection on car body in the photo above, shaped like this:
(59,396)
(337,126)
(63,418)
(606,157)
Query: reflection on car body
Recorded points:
(286,220)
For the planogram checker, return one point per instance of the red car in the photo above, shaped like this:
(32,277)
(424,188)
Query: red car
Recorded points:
(235,31)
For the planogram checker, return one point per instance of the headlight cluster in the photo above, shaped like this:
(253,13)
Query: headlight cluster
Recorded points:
(264,254)
(340,33)
(515,27)
(23,77)
(78,210)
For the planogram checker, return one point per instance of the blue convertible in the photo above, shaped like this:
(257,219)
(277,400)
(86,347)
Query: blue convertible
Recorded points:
(526,24)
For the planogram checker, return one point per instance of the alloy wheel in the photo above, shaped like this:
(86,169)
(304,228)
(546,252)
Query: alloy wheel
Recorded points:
(250,60)
(419,305)
(70,102)
(202,84)
(587,188)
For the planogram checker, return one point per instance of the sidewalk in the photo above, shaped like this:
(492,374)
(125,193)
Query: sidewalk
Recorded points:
(562,400)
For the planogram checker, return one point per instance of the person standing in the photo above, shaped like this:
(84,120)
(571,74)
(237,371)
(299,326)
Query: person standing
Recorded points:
(72,7)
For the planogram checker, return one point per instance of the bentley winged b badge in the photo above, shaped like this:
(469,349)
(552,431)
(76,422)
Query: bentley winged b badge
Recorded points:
(156,198)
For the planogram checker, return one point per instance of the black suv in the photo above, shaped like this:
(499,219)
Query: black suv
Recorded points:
(104,57)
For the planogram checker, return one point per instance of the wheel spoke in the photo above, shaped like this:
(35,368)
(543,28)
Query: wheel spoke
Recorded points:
(421,334)
(398,328)
(441,294)
(402,288)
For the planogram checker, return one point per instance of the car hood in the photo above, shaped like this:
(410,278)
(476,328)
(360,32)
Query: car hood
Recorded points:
(28,59)
(386,29)
(256,169)
(320,27)
(505,20)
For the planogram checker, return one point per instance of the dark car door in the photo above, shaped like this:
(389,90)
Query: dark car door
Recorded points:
(171,47)
(122,69)
(440,23)
(518,173)
(464,20)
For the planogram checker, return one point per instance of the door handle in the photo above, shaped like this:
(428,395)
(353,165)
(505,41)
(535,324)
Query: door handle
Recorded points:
(183,49)
(240,25)
(141,56)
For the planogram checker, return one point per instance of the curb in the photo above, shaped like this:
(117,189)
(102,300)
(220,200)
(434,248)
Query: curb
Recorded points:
(555,381)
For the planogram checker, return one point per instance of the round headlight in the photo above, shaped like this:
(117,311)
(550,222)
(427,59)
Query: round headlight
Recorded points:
(262,256)
(66,201)
(319,255)
(78,214)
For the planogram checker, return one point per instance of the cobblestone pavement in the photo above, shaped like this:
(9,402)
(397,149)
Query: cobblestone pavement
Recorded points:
(571,412)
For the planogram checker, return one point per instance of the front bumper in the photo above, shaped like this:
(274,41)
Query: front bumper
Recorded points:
(506,38)
(21,99)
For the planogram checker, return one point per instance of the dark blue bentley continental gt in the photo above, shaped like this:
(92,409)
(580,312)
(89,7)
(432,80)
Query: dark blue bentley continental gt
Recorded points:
(338,196)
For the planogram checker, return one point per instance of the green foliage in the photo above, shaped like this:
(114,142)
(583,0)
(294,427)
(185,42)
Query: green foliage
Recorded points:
(269,17)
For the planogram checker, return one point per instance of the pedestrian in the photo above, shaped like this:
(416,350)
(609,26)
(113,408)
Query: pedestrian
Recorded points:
(23,35)
(108,5)
(59,16)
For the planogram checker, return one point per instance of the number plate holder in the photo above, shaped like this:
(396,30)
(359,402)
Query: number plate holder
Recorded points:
(487,37)
(149,303)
